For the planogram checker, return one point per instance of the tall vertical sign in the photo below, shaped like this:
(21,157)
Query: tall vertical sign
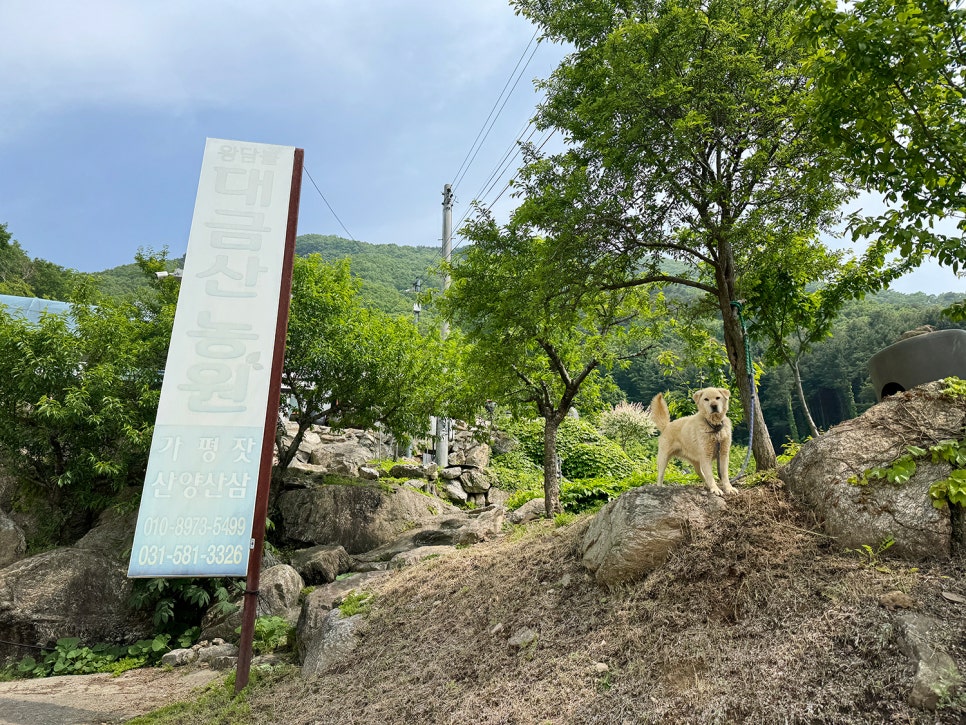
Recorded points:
(219,398)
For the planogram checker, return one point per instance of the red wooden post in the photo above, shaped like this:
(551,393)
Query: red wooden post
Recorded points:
(250,600)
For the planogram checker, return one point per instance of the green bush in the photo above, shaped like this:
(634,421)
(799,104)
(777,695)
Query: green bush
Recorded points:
(69,657)
(589,494)
(515,471)
(627,423)
(585,452)
(518,498)
(271,634)
(593,460)
(177,605)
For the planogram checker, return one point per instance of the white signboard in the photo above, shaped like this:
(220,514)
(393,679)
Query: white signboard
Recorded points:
(199,491)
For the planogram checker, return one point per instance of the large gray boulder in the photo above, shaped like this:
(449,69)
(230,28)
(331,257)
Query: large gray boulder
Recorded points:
(633,534)
(13,544)
(78,591)
(344,459)
(458,529)
(321,564)
(359,518)
(323,636)
(328,642)
(279,588)
(824,471)
(68,592)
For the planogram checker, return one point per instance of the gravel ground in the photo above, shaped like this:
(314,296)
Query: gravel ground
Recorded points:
(100,698)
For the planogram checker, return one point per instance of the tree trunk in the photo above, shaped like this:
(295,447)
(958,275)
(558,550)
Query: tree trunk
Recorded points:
(551,481)
(286,455)
(761,446)
(792,423)
(801,399)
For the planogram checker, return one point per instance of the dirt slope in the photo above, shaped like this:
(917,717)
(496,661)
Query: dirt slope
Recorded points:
(760,619)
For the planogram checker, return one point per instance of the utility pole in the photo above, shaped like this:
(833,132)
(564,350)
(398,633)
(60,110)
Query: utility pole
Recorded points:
(447,243)
(416,308)
(442,424)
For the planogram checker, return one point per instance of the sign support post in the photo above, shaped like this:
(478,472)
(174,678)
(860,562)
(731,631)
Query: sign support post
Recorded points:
(250,601)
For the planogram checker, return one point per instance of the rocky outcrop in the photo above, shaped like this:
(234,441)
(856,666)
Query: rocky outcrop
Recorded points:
(357,517)
(13,544)
(67,592)
(633,534)
(279,588)
(460,529)
(936,676)
(328,641)
(78,591)
(825,473)
(346,452)
(321,564)
(323,635)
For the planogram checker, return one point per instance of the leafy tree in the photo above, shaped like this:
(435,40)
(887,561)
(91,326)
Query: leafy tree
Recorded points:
(538,337)
(683,144)
(23,277)
(889,100)
(347,365)
(794,294)
(78,400)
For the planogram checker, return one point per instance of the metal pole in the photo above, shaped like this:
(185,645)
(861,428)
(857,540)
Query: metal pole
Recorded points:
(442,432)
(250,602)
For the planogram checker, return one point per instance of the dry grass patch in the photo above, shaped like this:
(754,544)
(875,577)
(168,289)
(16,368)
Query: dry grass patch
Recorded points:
(759,619)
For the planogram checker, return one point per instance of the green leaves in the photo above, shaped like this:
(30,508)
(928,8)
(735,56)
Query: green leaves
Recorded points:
(348,365)
(79,396)
(890,98)
(951,490)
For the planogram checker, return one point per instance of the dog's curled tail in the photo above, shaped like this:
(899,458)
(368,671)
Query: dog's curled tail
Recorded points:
(659,412)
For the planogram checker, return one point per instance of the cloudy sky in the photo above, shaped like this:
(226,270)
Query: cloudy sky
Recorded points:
(105,106)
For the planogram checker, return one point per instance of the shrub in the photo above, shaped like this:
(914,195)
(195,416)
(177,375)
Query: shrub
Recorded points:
(179,604)
(69,657)
(591,460)
(627,423)
(585,452)
(516,471)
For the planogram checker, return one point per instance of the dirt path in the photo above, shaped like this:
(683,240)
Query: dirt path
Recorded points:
(97,699)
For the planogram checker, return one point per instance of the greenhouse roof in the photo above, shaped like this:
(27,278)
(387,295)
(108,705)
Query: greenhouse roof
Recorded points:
(33,308)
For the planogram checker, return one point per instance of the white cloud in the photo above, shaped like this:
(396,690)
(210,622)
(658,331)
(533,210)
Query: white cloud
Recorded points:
(176,54)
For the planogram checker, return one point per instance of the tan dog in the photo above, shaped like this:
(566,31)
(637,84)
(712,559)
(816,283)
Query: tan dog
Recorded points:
(697,439)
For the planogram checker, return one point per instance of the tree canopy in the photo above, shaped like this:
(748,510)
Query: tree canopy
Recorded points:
(889,85)
(78,399)
(351,366)
(540,339)
(684,143)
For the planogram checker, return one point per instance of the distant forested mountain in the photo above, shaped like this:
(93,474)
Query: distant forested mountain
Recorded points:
(387,271)
(834,373)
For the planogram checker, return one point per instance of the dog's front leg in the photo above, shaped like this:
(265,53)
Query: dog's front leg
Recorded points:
(723,476)
(704,468)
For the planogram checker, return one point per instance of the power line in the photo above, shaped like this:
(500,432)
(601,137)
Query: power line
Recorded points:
(306,170)
(508,185)
(512,152)
(504,96)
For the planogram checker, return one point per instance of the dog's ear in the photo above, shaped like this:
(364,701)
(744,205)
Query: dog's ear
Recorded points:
(697,397)
(726,393)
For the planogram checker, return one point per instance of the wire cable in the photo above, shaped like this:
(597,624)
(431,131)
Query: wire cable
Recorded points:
(503,191)
(485,129)
(306,170)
